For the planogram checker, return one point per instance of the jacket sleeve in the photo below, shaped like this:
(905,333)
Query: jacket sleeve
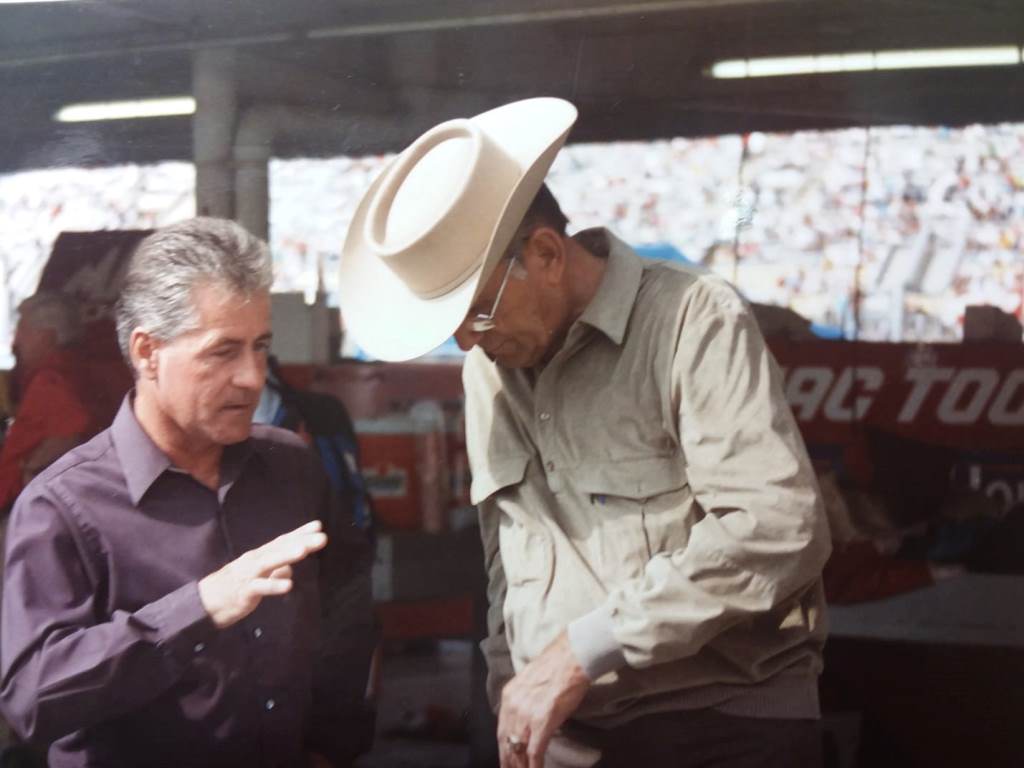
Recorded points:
(62,668)
(762,538)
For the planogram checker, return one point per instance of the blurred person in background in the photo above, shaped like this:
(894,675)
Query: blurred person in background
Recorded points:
(161,603)
(653,532)
(53,393)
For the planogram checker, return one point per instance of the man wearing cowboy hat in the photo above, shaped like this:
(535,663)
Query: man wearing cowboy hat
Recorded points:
(652,528)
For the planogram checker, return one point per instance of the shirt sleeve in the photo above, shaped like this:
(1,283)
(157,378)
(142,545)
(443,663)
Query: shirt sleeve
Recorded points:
(495,646)
(763,537)
(62,668)
(481,386)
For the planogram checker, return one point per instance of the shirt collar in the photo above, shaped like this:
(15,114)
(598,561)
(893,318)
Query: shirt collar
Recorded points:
(612,305)
(143,462)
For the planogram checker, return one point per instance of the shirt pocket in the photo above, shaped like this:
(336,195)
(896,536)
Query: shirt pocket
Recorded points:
(644,507)
(497,474)
(526,553)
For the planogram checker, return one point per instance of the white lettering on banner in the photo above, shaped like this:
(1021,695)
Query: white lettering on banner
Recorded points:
(979,383)
(966,395)
(1000,413)
(806,388)
(835,408)
(923,379)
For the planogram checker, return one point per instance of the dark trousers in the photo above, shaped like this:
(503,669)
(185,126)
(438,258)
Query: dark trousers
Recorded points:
(690,739)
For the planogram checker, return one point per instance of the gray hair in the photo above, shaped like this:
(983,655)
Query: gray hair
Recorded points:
(167,266)
(48,309)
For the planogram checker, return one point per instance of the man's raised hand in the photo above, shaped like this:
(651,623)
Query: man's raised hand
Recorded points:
(233,592)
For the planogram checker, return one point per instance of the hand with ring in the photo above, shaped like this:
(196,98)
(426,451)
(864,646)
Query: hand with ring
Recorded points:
(516,745)
(535,703)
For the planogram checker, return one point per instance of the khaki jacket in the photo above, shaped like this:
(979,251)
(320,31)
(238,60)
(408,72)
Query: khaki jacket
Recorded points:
(649,490)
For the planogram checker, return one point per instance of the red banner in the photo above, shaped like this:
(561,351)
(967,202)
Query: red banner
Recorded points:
(966,396)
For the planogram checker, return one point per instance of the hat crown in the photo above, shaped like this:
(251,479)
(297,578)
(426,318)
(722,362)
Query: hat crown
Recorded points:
(434,224)
(448,187)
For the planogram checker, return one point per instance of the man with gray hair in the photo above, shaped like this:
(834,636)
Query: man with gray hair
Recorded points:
(161,607)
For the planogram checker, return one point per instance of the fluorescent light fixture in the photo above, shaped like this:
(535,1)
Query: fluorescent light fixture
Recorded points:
(126,110)
(949,57)
(865,61)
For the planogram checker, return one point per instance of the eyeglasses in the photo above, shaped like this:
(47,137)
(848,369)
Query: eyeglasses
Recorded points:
(482,323)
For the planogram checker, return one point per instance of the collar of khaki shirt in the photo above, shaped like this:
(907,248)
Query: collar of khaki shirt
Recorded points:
(612,305)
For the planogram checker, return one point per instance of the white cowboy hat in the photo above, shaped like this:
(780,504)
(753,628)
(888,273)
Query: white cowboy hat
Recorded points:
(435,222)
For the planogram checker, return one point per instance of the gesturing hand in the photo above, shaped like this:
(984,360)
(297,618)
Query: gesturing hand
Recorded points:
(536,702)
(233,592)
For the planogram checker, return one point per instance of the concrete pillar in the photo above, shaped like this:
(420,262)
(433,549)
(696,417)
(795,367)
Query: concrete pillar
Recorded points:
(254,146)
(213,130)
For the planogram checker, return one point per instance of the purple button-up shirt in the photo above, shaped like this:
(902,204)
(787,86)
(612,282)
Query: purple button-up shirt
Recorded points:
(106,649)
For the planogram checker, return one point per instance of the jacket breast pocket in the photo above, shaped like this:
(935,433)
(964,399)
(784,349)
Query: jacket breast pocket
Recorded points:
(644,505)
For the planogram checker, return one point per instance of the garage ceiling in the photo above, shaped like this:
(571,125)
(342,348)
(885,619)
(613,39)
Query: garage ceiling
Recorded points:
(635,69)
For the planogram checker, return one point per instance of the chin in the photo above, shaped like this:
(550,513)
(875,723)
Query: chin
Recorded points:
(511,362)
(515,358)
(523,361)
(229,434)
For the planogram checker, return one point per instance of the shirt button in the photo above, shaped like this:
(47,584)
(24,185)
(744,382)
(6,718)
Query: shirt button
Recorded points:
(545,416)
(199,647)
(551,466)
(257,633)
(270,704)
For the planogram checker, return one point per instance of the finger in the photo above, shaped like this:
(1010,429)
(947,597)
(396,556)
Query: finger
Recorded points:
(259,588)
(504,752)
(286,552)
(285,539)
(510,758)
(313,526)
(290,540)
(537,748)
(284,572)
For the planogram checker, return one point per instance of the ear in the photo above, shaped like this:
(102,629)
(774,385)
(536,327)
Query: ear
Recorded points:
(145,352)
(546,247)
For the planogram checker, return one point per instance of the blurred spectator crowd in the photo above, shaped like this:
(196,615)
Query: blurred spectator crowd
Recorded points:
(890,249)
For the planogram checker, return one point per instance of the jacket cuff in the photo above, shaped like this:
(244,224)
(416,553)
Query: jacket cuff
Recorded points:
(594,644)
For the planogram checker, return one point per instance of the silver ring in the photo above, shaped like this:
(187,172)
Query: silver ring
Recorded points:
(516,745)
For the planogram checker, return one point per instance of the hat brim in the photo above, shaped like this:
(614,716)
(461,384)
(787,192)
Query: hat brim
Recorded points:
(384,317)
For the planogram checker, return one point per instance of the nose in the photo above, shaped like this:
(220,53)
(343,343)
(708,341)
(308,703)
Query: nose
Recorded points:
(466,337)
(251,373)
